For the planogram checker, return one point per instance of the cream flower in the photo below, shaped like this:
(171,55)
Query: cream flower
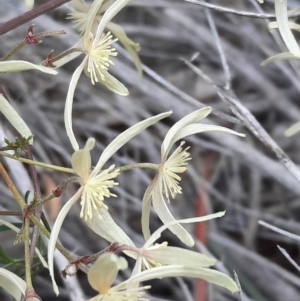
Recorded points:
(95,186)
(79,17)
(151,255)
(98,50)
(103,273)
(166,182)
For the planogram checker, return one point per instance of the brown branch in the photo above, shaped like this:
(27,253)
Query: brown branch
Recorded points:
(28,16)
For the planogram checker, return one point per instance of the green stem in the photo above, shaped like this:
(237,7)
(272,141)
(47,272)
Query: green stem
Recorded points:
(13,51)
(66,53)
(139,165)
(27,254)
(41,164)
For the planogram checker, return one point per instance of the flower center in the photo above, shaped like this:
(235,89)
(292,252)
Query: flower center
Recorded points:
(171,168)
(95,190)
(99,57)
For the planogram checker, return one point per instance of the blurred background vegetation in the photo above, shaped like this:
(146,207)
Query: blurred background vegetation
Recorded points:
(242,176)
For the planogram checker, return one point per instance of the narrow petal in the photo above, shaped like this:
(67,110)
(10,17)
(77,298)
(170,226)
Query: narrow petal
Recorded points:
(130,46)
(284,28)
(12,283)
(69,105)
(14,118)
(94,8)
(166,216)
(188,119)
(209,275)
(156,234)
(104,272)
(108,15)
(295,128)
(175,255)
(124,137)
(54,234)
(200,128)
(81,163)
(147,208)
(17,230)
(108,229)
(278,57)
(16,66)
(112,83)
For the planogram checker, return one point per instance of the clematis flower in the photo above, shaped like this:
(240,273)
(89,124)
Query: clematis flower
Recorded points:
(98,52)
(166,182)
(284,27)
(103,273)
(151,255)
(95,186)
(79,17)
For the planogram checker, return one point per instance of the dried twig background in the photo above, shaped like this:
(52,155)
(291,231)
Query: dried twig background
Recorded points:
(252,178)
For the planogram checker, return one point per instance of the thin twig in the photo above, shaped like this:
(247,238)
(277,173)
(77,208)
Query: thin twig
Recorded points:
(235,12)
(28,16)
(250,122)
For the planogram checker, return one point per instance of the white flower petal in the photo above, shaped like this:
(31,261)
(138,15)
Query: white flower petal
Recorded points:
(156,234)
(107,228)
(200,128)
(124,137)
(12,283)
(111,83)
(188,119)
(14,118)
(209,275)
(295,128)
(81,163)
(284,28)
(94,8)
(175,255)
(277,57)
(108,15)
(166,216)
(146,203)
(69,105)
(104,272)
(55,231)
(16,66)
(130,46)
(17,230)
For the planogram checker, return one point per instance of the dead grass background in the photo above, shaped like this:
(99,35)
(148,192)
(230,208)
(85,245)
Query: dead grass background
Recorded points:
(242,176)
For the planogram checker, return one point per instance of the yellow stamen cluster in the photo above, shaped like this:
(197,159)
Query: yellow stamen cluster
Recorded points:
(171,168)
(99,57)
(95,190)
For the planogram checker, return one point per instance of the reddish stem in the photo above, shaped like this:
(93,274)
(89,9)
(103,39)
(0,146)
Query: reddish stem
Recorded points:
(32,14)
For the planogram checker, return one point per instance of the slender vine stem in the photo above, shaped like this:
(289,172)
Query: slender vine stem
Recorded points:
(27,254)
(37,163)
